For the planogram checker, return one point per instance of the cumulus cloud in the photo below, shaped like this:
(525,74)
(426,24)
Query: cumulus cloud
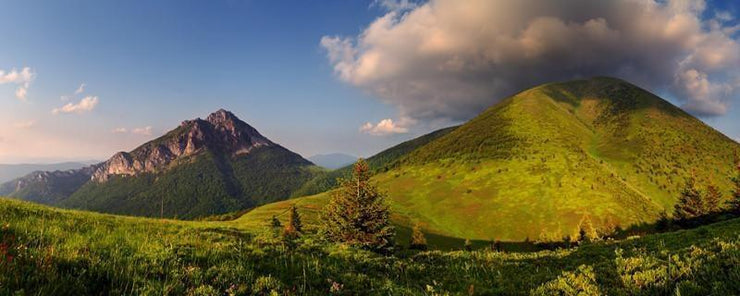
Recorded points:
(87,104)
(143,131)
(21,78)
(385,127)
(450,59)
(120,130)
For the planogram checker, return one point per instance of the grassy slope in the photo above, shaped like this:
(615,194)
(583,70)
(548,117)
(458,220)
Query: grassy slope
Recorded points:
(62,252)
(536,164)
(381,162)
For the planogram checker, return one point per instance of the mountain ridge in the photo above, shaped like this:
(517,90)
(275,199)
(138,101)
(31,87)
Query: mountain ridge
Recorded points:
(221,150)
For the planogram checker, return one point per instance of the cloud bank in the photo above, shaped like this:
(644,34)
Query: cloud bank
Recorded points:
(450,59)
(21,78)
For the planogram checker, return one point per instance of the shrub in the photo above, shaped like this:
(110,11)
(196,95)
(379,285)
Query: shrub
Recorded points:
(581,282)
(418,240)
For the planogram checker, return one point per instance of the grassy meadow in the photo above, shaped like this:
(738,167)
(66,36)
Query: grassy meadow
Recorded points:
(49,251)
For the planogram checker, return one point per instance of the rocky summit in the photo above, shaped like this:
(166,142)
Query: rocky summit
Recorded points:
(221,132)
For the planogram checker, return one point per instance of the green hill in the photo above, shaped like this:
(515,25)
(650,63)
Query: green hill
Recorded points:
(46,251)
(536,164)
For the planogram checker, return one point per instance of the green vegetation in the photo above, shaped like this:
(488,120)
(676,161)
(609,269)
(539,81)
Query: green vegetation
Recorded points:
(203,185)
(418,240)
(381,162)
(357,215)
(60,252)
(691,203)
(734,202)
(532,166)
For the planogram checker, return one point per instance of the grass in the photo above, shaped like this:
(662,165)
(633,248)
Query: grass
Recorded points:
(47,251)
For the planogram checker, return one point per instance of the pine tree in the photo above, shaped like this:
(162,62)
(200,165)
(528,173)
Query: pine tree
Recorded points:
(294,227)
(690,203)
(712,199)
(275,223)
(418,240)
(357,214)
(587,232)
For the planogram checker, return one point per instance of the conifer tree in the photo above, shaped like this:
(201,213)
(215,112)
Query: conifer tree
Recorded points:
(712,199)
(587,231)
(294,227)
(418,240)
(357,214)
(690,203)
(275,223)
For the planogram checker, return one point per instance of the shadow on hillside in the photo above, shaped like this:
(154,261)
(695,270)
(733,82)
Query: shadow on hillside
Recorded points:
(448,243)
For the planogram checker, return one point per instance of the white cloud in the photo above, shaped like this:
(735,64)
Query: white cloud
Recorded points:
(24,124)
(395,5)
(143,131)
(450,59)
(85,105)
(384,127)
(80,89)
(21,78)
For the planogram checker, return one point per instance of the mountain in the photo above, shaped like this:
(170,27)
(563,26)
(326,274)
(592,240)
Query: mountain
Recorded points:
(537,164)
(11,171)
(203,167)
(333,160)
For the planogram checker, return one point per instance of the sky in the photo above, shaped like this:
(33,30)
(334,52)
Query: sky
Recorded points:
(81,80)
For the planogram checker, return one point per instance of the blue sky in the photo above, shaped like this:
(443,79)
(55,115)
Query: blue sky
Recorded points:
(147,65)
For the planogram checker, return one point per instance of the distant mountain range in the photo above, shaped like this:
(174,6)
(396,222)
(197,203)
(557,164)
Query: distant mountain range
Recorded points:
(203,167)
(333,160)
(11,171)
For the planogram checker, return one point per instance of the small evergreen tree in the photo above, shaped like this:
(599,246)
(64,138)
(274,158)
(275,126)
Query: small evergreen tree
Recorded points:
(418,240)
(275,223)
(357,214)
(293,228)
(690,203)
(587,231)
(712,199)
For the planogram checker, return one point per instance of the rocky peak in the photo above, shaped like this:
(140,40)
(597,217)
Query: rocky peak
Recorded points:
(222,133)
(222,118)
